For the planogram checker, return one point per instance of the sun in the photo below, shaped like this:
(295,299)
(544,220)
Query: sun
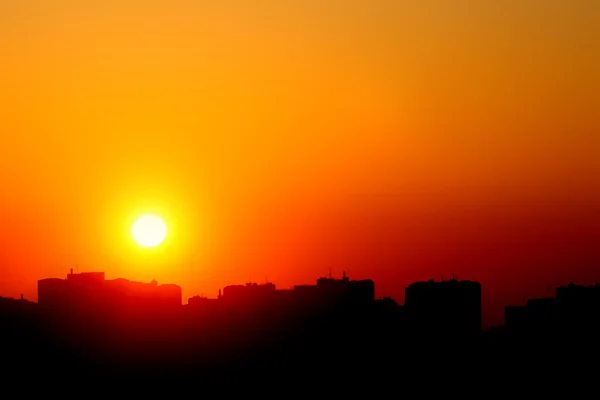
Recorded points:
(149,230)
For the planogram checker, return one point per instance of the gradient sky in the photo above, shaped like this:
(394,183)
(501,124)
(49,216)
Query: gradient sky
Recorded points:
(399,140)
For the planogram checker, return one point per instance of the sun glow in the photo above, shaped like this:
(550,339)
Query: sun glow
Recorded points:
(149,230)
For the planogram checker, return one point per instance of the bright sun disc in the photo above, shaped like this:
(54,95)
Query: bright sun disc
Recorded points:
(149,230)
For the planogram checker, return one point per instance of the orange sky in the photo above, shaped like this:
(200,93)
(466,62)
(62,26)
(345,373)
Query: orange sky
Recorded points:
(400,140)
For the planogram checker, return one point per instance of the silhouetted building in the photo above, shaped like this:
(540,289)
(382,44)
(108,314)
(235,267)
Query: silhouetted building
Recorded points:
(542,315)
(306,295)
(19,322)
(444,308)
(575,312)
(53,293)
(578,295)
(515,319)
(250,295)
(201,301)
(16,307)
(91,292)
(138,296)
(539,317)
(331,292)
(249,292)
(387,306)
(579,309)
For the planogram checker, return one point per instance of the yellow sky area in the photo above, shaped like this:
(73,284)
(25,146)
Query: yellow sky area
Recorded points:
(224,116)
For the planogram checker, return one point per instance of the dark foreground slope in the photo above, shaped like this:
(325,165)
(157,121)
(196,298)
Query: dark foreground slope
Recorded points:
(315,351)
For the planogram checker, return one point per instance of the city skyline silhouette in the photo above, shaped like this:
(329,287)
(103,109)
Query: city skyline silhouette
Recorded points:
(172,294)
(120,329)
(340,191)
(395,141)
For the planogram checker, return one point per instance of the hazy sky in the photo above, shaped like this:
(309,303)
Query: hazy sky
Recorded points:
(401,140)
